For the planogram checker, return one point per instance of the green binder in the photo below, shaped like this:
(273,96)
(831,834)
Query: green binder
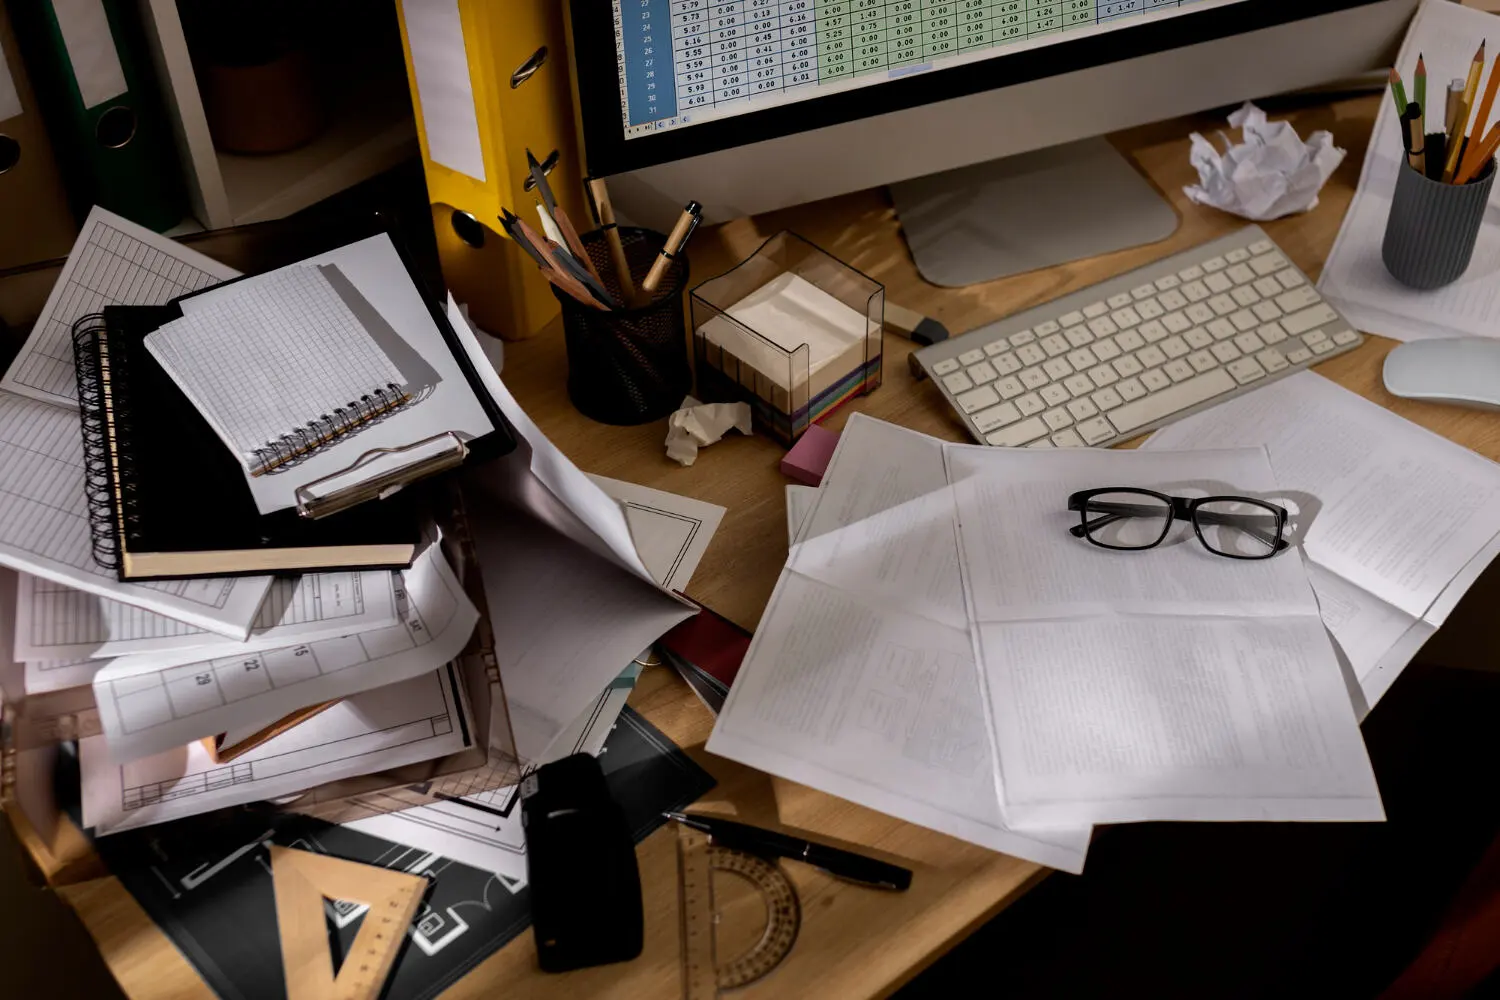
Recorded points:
(94,81)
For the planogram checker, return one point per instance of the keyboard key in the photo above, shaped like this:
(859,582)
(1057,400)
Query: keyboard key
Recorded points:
(1041,443)
(1143,292)
(1240,274)
(1120,301)
(996,417)
(1058,419)
(1267,286)
(1245,296)
(1130,340)
(1130,389)
(1246,370)
(1046,329)
(1058,368)
(1196,291)
(971,357)
(1178,370)
(1168,283)
(1009,387)
(1107,399)
(1272,333)
(1237,255)
(997,348)
(1249,343)
(1307,319)
(1031,404)
(1174,347)
(1095,431)
(1344,337)
(1079,385)
(1055,394)
(1031,354)
(1078,335)
(1024,337)
(1106,350)
(1198,313)
(1299,355)
(1198,338)
(1192,273)
(1214,264)
(1218,283)
(1267,311)
(1007,364)
(1313,336)
(1176,322)
(1149,309)
(1017,434)
(1290,278)
(957,382)
(1173,300)
(1067,439)
(1054,344)
(1222,305)
(977,399)
(1034,378)
(1268,264)
(1125,318)
(1082,409)
(1095,310)
(1244,320)
(1152,331)
(982,373)
(1126,366)
(945,367)
(1262,246)
(1151,357)
(1083,358)
(1074,318)
(1103,327)
(1190,392)
(1202,361)
(1155,380)
(1271,360)
(1103,375)
(1225,351)
(1297,298)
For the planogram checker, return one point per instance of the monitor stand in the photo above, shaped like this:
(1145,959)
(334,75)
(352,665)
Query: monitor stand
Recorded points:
(1027,212)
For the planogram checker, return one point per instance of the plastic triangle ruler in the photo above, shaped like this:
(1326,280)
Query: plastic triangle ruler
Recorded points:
(302,881)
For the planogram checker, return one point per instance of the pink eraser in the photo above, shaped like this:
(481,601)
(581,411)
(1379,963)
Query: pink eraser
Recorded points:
(809,457)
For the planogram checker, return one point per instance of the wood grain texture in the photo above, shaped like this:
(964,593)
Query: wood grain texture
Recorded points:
(854,942)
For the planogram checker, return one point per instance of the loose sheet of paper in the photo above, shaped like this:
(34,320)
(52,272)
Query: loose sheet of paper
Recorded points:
(146,709)
(1396,512)
(1169,684)
(671,532)
(1354,278)
(54,622)
(845,691)
(799,503)
(44,676)
(405,723)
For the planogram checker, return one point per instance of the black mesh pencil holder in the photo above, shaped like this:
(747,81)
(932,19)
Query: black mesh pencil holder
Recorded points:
(628,366)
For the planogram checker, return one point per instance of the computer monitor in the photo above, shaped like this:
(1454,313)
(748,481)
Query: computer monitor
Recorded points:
(751,105)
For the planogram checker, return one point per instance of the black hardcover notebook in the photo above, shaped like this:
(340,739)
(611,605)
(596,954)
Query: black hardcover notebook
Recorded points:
(168,500)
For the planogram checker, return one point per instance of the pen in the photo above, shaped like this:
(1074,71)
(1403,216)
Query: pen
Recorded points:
(837,862)
(604,214)
(1454,124)
(686,223)
(1416,150)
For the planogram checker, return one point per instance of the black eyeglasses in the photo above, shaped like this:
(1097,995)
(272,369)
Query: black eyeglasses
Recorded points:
(1125,518)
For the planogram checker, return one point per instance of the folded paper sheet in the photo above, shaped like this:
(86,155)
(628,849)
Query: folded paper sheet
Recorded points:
(1271,174)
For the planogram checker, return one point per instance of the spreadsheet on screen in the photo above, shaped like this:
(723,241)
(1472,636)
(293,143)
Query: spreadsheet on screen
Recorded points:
(685,62)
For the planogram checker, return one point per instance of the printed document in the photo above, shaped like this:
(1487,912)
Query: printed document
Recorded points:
(1396,522)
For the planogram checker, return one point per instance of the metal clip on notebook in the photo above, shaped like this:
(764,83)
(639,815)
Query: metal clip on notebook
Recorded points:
(314,505)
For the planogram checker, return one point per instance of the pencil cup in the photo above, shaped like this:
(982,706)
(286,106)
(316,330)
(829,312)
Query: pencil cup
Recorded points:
(628,366)
(1430,236)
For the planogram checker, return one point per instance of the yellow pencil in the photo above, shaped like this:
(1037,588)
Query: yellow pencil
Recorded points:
(1482,154)
(1471,91)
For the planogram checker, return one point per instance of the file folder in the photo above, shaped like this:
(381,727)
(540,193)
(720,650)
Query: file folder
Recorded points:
(93,76)
(38,224)
(490,80)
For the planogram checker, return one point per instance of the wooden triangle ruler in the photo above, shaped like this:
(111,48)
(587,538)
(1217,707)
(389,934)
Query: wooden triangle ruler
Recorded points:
(302,881)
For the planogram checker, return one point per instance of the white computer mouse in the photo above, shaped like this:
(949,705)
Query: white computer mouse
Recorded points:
(1464,371)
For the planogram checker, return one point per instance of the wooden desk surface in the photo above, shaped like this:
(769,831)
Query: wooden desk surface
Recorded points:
(854,942)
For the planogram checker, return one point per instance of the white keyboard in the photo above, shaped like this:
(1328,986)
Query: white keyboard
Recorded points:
(1111,362)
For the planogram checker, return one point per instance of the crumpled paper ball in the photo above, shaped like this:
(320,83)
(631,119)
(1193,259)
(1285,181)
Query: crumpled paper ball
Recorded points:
(698,425)
(1273,173)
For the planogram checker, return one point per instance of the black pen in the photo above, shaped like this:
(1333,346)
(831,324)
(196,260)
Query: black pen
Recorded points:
(839,863)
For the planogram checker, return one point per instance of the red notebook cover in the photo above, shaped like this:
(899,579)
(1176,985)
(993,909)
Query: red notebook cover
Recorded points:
(711,643)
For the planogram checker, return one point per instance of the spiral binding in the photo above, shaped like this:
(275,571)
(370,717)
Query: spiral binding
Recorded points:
(111,487)
(302,442)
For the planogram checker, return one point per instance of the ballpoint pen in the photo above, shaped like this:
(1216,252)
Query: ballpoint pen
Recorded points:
(686,223)
(604,215)
(835,861)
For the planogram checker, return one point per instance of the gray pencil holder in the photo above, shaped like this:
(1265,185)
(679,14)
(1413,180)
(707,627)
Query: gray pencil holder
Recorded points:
(1430,236)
